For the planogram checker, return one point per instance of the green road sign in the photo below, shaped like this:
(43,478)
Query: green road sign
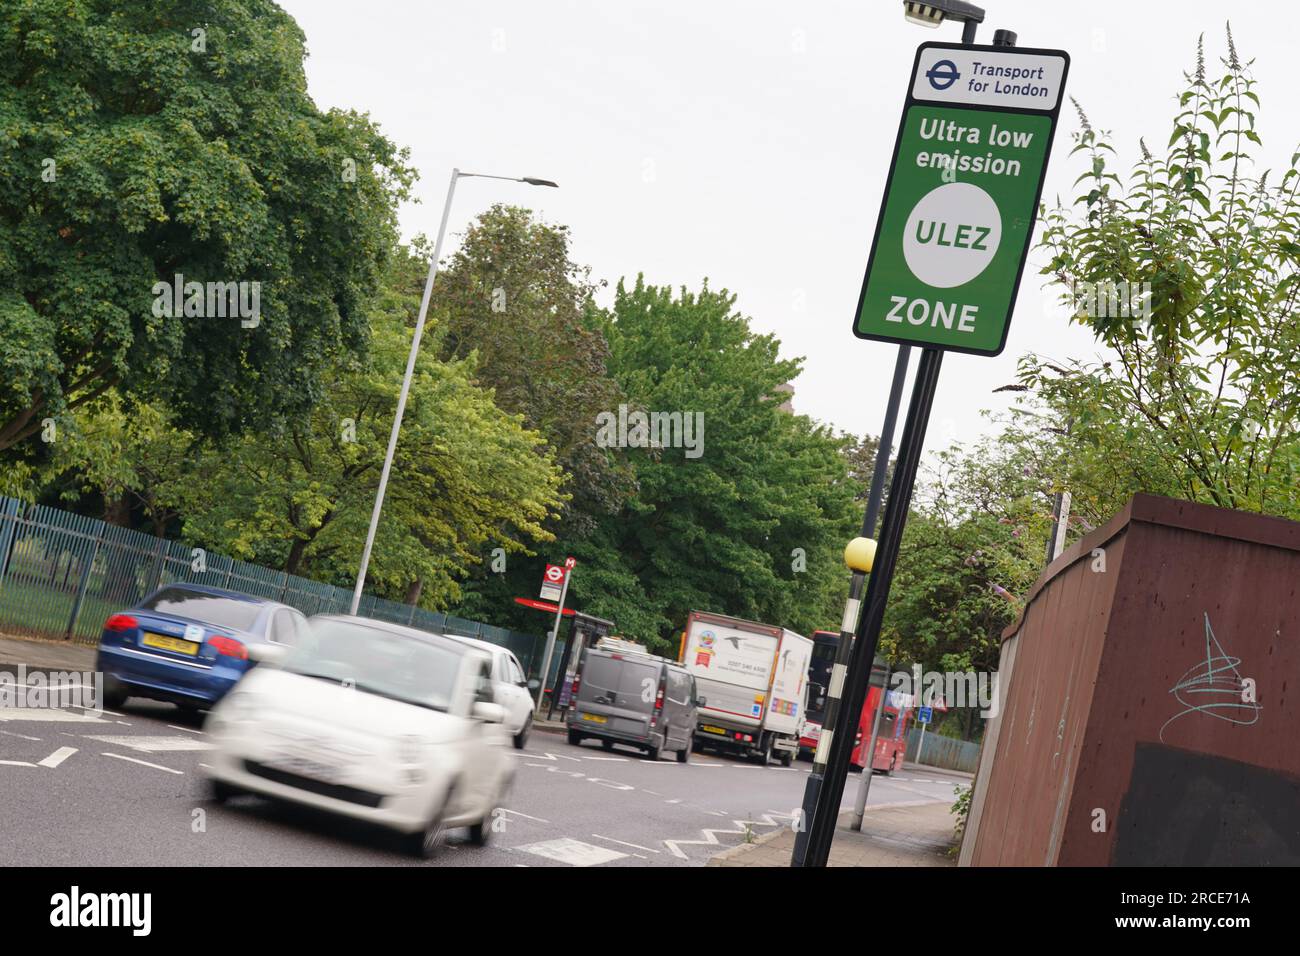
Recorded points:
(963,190)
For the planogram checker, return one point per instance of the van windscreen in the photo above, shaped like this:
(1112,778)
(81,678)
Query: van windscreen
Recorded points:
(621,675)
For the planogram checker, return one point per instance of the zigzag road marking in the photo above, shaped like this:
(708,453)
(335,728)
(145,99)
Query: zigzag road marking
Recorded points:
(711,838)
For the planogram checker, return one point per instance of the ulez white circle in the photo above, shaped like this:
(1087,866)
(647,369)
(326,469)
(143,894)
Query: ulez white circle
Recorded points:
(952,235)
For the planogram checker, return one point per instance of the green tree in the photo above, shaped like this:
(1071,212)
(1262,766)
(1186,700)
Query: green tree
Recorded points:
(512,296)
(298,497)
(756,523)
(143,141)
(1201,399)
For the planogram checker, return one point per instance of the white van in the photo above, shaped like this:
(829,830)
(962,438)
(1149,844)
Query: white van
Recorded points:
(753,681)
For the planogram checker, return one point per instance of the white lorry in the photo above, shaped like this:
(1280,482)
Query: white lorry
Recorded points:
(753,682)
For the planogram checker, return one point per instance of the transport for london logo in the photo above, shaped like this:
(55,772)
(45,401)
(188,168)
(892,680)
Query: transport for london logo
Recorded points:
(943,74)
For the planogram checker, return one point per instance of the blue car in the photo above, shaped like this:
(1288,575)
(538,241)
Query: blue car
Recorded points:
(188,644)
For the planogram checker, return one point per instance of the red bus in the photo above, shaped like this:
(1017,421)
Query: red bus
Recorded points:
(891,739)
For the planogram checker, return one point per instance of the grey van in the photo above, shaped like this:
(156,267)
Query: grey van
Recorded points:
(636,699)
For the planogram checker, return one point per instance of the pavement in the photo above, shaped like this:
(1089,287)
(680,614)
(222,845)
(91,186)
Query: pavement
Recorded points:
(904,834)
(128,788)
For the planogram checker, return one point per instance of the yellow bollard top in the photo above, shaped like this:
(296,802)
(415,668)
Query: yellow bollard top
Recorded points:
(860,554)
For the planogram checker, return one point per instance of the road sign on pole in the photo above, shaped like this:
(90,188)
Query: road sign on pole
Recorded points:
(552,582)
(958,213)
(950,245)
(554,574)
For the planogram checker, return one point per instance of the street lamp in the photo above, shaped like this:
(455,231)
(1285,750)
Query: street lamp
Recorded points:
(933,12)
(456,174)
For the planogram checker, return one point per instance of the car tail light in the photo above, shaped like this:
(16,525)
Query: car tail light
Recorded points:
(229,647)
(573,691)
(121,622)
(659,704)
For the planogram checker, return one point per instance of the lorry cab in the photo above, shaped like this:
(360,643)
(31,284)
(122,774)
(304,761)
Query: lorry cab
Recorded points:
(633,698)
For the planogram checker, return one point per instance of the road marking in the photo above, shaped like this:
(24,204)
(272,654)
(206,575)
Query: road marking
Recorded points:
(148,744)
(10,733)
(188,730)
(615,759)
(56,758)
(143,763)
(16,763)
(545,756)
(654,793)
(678,800)
(635,846)
(513,813)
(50,715)
(573,852)
(710,835)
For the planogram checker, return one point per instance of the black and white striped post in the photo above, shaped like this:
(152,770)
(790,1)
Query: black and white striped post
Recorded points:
(858,556)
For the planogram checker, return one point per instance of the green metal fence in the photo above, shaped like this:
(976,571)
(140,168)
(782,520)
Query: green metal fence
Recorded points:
(62,574)
(943,752)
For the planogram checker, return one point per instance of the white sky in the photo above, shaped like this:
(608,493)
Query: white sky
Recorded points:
(749,140)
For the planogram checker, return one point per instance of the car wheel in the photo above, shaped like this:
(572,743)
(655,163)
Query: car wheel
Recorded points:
(696,747)
(575,738)
(480,834)
(787,758)
(521,738)
(607,744)
(424,844)
(652,752)
(684,755)
(114,695)
(221,791)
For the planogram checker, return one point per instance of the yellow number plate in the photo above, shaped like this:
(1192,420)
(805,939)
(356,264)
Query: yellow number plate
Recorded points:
(595,718)
(708,729)
(170,644)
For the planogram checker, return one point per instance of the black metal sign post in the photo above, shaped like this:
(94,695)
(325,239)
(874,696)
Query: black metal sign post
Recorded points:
(867,635)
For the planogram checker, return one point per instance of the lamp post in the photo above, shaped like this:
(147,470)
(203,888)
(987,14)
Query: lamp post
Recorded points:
(456,174)
(825,784)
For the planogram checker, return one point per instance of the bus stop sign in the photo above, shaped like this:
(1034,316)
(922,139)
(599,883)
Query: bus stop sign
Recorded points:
(962,195)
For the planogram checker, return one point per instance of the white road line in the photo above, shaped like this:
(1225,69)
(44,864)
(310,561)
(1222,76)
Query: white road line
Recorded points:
(10,733)
(144,763)
(615,759)
(710,835)
(654,793)
(151,744)
(635,846)
(573,852)
(673,801)
(516,813)
(188,730)
(56,758)
(16,763)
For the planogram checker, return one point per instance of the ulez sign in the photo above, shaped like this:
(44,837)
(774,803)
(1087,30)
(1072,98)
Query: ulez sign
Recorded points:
(962,195)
